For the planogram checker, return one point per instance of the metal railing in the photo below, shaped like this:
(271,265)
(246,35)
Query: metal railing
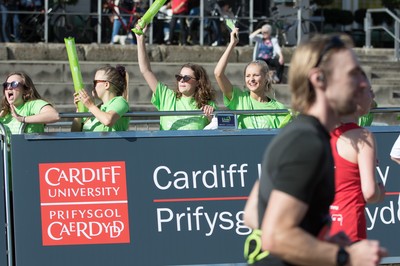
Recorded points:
(150,120)
(47,13)
(368,27)
(7,196)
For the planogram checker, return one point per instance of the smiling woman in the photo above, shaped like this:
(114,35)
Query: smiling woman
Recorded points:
(194,92)
(256,97)
(21,104)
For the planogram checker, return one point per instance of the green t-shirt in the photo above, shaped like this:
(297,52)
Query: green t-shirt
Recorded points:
(164,99)
(366,120)
(241,100)
(13,126)
(117,104)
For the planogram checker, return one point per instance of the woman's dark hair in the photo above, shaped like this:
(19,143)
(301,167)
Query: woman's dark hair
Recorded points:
(29,92)
(118,78)
(204,91)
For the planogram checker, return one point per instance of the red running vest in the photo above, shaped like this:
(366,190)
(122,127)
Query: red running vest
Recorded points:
(348,209)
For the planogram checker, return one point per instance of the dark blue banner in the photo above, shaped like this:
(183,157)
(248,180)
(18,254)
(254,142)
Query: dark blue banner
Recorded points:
(151,198)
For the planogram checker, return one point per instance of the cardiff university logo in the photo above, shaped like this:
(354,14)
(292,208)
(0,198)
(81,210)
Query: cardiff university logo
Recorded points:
(84,203)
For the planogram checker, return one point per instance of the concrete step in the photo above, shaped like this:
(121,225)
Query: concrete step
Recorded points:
(48,66)
(385,73)
(382,65)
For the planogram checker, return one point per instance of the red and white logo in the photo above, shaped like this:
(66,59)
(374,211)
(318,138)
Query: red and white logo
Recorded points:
(84,203)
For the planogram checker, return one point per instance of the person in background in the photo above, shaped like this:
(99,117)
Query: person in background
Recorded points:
(354,153)
(5,7)
(194,92)
(297,184)
(161,24)
(180,8)
(226,13)
(259,85)
(193,22)
(110,85)
(395,151)
(213,24)
(22,107)
(268,49)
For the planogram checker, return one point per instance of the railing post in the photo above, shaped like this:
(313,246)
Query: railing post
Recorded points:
(201,22)
(7,196)
(251,18)
(299,18)
(367,29)
(150,28)
(396,41)
(46,21)
(99,20)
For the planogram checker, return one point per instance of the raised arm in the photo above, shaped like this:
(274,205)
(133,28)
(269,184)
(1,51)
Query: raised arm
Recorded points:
(144,62)
(254,33)
(373,191)
(219,71)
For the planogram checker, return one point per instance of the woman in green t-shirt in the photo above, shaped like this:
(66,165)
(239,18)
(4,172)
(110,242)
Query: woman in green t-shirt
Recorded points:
(194,92)
(22,108)
(256,97)
(110,85)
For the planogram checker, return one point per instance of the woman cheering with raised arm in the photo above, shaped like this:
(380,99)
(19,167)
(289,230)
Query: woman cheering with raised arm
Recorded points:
(258,85)
(194,92)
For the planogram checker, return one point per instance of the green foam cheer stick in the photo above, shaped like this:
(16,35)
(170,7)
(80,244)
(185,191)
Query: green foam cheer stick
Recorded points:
(231,24)
(148,16)
(75,69)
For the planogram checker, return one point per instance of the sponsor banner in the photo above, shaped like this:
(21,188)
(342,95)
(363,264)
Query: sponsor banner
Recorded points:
(186,197)
(83,203)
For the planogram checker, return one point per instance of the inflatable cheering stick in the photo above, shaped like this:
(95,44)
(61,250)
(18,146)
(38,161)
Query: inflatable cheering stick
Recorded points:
(148,16)
(75,69)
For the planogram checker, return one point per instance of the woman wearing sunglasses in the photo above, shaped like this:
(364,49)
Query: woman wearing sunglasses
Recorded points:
(258,84)
(110,85)
(23,110)
(194,92)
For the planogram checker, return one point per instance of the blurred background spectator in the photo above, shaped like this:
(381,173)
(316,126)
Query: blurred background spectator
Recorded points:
(161,24)
(10,31)
(125,9)
(180,8)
